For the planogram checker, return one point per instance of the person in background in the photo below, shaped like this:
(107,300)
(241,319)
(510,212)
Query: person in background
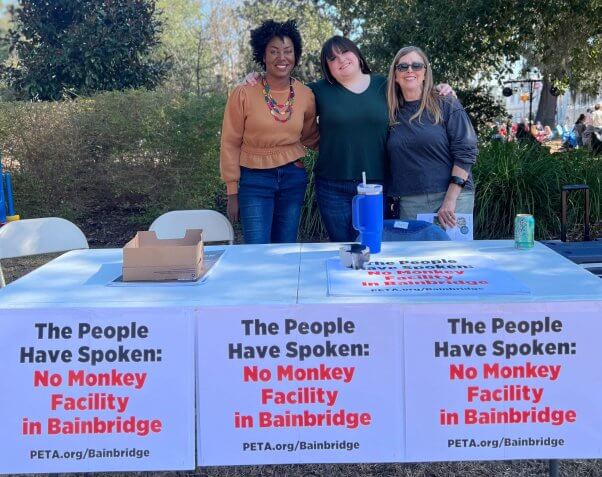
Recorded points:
(597,117)
(351,105)
(523,131)
(548,134)
(432,144)
(592,137)
(579,129)
(497,131)
(265,129)
(540,132)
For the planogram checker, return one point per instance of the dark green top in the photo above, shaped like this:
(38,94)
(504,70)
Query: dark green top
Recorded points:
(353,130)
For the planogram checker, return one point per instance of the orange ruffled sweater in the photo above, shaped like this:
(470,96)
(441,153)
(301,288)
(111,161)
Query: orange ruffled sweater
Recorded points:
(252,138)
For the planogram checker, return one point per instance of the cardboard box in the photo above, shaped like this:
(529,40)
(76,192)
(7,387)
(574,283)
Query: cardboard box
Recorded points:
(147,258)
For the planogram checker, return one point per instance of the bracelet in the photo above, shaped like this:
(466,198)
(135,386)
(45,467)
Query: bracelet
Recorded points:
(458,181)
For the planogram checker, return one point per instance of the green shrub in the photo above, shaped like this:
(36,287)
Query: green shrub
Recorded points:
(311,228)
(114,162)
(514,178)
(120,156)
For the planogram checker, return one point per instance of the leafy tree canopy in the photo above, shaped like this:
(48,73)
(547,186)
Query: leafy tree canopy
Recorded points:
(466,38)
(481,107)
(76,47)
(4,27)
(182,42)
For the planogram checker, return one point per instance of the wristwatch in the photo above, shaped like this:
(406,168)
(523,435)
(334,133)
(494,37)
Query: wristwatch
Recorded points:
(457,180)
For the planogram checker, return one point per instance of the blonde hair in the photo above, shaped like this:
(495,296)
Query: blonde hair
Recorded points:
(429,99)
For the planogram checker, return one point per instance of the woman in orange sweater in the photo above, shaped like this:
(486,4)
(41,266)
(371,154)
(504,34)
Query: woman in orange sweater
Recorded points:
(265,129)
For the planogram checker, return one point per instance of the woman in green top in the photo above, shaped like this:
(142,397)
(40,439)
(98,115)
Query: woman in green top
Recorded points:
(351,104)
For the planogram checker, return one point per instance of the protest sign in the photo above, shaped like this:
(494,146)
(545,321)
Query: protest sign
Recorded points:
(289,384)
(96,390)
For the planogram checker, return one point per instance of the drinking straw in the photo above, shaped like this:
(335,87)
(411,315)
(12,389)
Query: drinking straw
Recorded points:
(364,178)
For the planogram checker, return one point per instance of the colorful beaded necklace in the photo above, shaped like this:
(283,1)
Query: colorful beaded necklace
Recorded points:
(281,112)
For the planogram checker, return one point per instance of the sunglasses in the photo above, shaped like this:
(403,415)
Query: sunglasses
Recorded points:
(416,66)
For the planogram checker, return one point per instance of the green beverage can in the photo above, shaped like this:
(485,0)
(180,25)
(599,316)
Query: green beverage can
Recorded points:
(524,231)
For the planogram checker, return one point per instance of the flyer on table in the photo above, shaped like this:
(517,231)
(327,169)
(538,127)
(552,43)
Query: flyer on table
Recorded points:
(463,230)
(299,384)
(510,381)
(96,390)
(451,274)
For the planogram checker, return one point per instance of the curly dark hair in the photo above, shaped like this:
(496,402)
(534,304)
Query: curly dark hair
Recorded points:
(262,35)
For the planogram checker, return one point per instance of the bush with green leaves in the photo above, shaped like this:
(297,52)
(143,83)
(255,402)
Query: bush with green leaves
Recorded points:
(68,48)
(311,228)
(482,107)
(130,155)
(513,178)
(117,160)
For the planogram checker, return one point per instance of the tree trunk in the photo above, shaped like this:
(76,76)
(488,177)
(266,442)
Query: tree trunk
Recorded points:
(546,111)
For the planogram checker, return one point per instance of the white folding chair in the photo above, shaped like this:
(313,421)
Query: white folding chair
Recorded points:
(216,227)
(35,236)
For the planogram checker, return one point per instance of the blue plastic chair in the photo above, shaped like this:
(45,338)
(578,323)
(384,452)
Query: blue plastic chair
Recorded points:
(569,138)
(559,130)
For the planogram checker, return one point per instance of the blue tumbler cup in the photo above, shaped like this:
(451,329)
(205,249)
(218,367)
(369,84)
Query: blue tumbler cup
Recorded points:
(367,215)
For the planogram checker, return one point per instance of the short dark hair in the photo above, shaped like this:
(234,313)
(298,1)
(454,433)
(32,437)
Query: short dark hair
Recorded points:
(342,44)
(262,35)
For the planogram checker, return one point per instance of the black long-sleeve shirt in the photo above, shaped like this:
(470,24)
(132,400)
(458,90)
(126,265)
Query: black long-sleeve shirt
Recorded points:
(422,154)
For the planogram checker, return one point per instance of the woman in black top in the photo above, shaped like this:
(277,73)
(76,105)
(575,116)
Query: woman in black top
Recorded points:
(580,129)
(432,144)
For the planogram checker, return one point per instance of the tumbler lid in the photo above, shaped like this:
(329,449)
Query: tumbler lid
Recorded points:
(354,255)
(369,189)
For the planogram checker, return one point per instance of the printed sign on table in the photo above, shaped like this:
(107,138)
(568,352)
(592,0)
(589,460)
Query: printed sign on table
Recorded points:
(299,384)
(503,382)
(458,275)
(96,390)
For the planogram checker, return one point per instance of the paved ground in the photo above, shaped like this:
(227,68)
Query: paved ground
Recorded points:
(17,267)
(456,469)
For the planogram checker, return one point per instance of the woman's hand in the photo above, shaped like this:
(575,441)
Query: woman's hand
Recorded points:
(444,89)
(252,79)
(447,213)
(232,208)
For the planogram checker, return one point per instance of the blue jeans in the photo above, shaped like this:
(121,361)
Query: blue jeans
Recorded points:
(334,201)
(270,202)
